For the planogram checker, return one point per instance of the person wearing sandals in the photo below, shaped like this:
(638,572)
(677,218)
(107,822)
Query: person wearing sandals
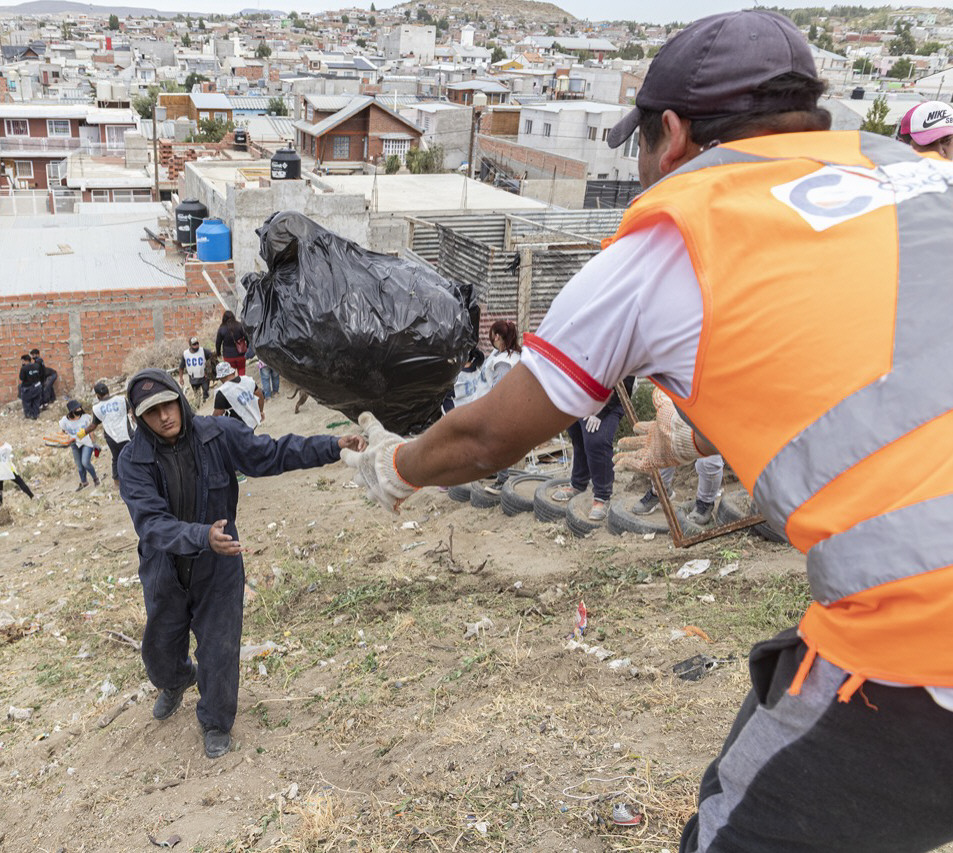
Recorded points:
(75,424)
(592,439)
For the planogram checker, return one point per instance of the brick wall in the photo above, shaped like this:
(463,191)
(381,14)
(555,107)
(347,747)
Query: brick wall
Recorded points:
(518,158)
(249,72)
(87,336)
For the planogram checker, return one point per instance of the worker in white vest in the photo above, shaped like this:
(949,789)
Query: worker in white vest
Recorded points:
(113,414)
(238,396)
(195,362)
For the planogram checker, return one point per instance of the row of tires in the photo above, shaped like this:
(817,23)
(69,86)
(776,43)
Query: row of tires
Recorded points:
(534,493)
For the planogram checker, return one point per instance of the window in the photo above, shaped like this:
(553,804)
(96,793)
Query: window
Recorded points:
(24,168)
(592,133)
(17,127)
(55,172)
(57,127)
(605,134)
(203,116)
(99,195)
(341,147)
(528,126)
(115,136)
(400,147)
(310,113)
(631,147)
(630,92)
(547,129)
(122,195)
(221,116)
(602,176)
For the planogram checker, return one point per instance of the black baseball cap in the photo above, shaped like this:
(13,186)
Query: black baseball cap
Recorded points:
(712,67)
(73,406)
(101,389)
(147,392)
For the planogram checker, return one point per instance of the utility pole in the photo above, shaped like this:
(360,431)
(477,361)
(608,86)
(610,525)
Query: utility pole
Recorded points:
(155,145)
(479,101)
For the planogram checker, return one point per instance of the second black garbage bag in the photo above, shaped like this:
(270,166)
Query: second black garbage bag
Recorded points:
(356,329)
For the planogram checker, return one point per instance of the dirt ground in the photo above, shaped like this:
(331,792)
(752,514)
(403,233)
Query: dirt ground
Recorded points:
(374,720)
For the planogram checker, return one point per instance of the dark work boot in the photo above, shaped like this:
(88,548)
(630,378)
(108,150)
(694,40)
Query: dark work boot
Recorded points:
(217,742)
(169,700)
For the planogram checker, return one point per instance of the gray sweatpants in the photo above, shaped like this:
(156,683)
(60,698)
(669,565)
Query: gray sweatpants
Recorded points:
(710,470)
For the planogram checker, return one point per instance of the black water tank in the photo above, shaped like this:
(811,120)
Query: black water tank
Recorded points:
(858,94)
(285,165)
(241,140)
(188,216)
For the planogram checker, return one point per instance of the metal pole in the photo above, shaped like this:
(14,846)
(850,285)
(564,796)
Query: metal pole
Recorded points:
(473,126)
(155,147)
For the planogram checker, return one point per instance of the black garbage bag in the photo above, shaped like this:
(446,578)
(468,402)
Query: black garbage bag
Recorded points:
(356,329)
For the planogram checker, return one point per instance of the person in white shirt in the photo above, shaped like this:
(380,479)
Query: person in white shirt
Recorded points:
(9,472)
(76,424)
(506,355)
(238,397)
(113,414)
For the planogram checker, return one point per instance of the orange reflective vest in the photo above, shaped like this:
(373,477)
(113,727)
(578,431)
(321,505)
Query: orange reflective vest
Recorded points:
(824,375)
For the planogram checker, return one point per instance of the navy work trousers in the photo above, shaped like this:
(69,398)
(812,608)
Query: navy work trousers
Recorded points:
(592,456)
(212,608)
(31,397)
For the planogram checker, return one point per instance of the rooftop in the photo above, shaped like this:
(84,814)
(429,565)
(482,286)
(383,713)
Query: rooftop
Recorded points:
(77,252)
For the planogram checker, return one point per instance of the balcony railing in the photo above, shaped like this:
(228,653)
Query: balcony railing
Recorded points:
(11,146)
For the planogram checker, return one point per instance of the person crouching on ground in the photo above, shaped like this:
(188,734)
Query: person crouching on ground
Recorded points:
(177,478)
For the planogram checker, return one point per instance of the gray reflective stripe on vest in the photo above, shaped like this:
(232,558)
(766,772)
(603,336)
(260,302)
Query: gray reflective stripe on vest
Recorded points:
(917,388)
(888,547)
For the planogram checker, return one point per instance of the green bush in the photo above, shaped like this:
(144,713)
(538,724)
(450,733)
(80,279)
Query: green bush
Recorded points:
(392,165)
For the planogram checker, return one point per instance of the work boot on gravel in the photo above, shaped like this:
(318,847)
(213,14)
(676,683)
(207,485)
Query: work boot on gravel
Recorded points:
(701,514)
(169,700)
(217,742)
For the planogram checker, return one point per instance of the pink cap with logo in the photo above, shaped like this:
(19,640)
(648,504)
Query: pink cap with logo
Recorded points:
(926,123)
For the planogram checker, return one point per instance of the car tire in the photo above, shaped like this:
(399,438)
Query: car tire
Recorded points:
(577,516)
(460,494)
(738,504)
(544,507)
(518,492)
(622,520)
(481,498)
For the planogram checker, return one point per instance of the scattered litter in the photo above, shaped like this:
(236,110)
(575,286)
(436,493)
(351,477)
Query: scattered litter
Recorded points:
(249,652)
(624,664)
(14,713)
(693,668)
(599,652)
(84,653)
(648,537)
(727,570)
(707,599)
(334,424)
(474,628)
(262,669)
(172,841)
(292,791)
(617,747)
(480,826)
(518,585)
(580,621)
(350,484)
(411,545)
(106,689)
(693,567)
(560,540)
(410,525)
(695,631)
(624,814)
(272,525)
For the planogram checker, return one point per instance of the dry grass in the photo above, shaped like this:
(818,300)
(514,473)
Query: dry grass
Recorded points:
(165,354)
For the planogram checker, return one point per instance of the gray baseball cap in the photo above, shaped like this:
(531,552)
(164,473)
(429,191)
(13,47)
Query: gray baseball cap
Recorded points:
(710,69)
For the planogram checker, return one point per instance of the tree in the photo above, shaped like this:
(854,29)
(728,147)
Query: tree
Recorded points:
(392,164)
(143,104)
(425,162)
(812,32)
(903,43)
(901,69)
(498,54)
(194,78)
(114,22)
(863,66)
(186,40)
(277,106)
(66,29)
(825,42)
(361,42)
(345,20)
(928,48)
(876,119)
(407,14)
(372,21)
(632,51)
(551,31)
(373,8)
(211,130)
(262,51)
(201,23)
(424,16)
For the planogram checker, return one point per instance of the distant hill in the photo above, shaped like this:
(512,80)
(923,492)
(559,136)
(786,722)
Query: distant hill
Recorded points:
(516,10)
(55,7)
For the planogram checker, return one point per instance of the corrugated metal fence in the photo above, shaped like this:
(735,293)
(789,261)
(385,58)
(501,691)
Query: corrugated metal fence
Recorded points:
(517,264)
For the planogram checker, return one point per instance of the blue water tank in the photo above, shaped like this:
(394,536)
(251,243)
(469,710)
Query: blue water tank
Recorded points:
(213,241)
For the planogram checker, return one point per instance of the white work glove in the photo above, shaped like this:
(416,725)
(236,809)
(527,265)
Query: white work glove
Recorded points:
(666,442)
(375,468)
(593,423)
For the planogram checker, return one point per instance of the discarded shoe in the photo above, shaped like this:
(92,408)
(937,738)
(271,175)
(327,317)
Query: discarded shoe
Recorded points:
(169,700)
(701,514)
(217,742)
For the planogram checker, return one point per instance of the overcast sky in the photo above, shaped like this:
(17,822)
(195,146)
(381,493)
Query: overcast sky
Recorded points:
(652,11)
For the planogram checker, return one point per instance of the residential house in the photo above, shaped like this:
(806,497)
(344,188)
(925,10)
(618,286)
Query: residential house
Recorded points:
(407,41)
(363,131)
(446,125)
(36,140)
(462,93)
(196,106)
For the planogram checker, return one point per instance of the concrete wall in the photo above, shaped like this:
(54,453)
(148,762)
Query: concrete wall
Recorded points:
(405,39)
(87,336)
(519,159)
(569,135)
(562,192)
